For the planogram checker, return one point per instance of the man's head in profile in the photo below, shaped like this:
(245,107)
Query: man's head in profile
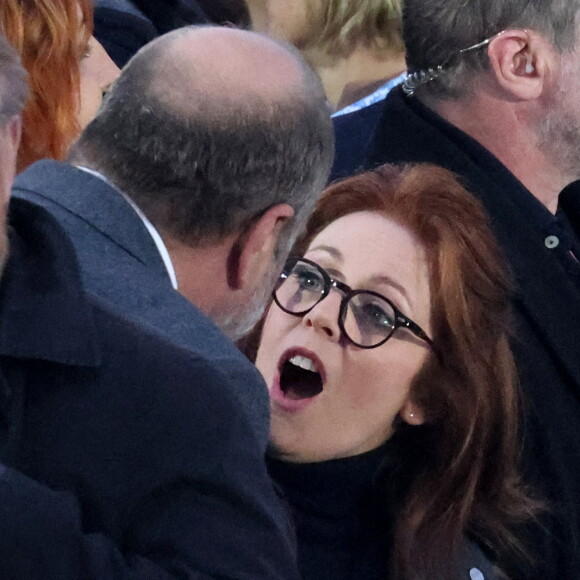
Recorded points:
(222,138)
(508,74)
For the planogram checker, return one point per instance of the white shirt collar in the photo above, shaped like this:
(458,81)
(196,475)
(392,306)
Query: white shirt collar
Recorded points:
(161,247)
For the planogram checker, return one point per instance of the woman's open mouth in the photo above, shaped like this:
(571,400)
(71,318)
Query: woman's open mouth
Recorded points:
(300,379)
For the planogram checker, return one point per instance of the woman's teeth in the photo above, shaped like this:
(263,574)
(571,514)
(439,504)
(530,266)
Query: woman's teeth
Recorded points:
(304,363)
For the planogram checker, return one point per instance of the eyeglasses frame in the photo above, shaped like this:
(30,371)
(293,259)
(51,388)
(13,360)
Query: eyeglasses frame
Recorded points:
(401,321)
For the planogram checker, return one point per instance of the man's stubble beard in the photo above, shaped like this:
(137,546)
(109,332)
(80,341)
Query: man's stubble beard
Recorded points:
(559,130)
(243,316)
(559,136)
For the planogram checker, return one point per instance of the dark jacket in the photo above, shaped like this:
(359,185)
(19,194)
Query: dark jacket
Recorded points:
(121,265)
(352,133)
(121,33)
(127,457)
(125,26)
(547,314)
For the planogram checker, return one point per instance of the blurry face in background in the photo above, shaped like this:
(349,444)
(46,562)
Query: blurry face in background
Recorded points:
(290,21)
(257,11)
(9,141)
(329,398)
(97,72)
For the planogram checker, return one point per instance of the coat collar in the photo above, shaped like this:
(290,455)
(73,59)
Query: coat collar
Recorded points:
(44,314)
(94,201)
(410,132)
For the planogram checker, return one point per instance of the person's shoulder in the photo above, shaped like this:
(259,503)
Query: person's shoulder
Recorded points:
(44,172)
(198,382)
(62,187)
(136,341)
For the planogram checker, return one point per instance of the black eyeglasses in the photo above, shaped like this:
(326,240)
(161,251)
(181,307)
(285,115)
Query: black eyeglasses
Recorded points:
(365,318)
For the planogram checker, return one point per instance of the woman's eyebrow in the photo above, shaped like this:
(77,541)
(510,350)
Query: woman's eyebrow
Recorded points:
(394,284)
(336,254)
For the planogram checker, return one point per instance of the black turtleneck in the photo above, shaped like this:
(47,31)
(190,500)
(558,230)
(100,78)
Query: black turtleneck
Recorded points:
(341,516)
(344,509)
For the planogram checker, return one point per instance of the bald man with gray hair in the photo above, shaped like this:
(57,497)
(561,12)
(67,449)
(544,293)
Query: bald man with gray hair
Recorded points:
(185,194)
(138,431)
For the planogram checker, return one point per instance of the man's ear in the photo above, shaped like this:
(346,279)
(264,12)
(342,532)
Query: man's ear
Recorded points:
(252,252)
(412,413)
(520,60)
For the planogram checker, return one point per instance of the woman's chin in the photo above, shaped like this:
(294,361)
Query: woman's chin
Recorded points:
(286,451)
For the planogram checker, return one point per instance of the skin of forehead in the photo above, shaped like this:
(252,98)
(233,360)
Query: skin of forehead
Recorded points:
(225,62)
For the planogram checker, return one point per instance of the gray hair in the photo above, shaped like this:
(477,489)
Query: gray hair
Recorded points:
(203,167)
(436,31)
(13,85)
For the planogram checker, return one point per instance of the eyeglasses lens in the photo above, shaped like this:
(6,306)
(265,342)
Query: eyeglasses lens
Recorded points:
(368,320)
(301,289)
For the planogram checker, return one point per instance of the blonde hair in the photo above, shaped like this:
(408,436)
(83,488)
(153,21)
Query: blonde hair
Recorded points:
(345,24)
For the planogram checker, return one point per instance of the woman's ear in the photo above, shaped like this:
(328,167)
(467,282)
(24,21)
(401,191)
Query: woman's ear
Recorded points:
(412,414)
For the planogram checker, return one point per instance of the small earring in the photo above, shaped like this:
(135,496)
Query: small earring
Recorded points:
(411,415)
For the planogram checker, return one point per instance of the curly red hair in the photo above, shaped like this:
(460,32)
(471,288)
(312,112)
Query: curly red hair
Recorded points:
(51,37)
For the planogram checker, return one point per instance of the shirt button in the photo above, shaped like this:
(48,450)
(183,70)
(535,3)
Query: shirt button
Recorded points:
(476,574)
(552,242)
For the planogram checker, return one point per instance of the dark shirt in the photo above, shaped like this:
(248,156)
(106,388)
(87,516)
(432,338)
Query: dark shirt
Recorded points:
(341,524)
(555,230)
(121,33)
(344,509)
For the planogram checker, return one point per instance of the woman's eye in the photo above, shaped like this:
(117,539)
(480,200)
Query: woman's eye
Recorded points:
(308,280)
(379,316)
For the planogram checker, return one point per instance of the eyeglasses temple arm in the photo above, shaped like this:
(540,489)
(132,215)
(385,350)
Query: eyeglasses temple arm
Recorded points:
(414,328)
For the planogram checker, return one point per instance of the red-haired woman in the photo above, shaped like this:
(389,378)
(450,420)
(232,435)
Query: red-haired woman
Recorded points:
(394,406)
(68,71)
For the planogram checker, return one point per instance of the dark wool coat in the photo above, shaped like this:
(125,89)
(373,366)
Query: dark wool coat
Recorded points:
(121,266)
(547,314)
(123,456)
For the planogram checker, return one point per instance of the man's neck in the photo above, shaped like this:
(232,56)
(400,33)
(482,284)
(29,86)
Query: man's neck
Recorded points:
(201,273)
(504,130)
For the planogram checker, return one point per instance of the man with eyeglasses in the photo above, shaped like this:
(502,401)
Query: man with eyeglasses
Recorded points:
(492,94)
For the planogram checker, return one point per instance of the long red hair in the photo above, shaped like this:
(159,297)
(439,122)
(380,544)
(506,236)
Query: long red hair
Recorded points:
(467,483)
(51,37)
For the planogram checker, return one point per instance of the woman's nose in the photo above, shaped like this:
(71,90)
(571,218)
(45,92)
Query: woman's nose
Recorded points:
(324,316)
